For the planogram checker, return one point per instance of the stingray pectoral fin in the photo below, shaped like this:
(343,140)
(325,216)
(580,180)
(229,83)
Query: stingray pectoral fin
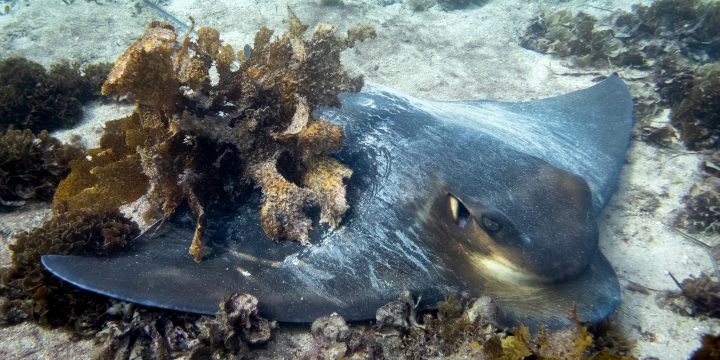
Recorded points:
(158,272)
(591,130)
(585,132)
(594,294)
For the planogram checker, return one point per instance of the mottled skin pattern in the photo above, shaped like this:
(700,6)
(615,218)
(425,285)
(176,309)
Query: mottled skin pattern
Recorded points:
(486,197)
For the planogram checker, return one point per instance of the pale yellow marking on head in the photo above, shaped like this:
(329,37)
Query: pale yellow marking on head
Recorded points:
(454,207)
(502,270)
(242,271)
(256,259)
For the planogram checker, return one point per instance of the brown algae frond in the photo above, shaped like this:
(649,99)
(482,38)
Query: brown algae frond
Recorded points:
(30,291)
(31,165)
(208,122)
(36,99)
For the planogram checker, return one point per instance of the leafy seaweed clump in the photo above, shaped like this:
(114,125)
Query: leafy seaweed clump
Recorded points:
(710,348)
(691,25)
(30,292)
(36,99)
(673,80)
(672,37)
(575,36)
(83,82)
(208,123)
(465,328)
(458,4)
(637,39)
(446,333)
(697,116)
(460,329)
(154,334)
(142,333)
(421,5)
(703,292)
(702,208)
(32,165)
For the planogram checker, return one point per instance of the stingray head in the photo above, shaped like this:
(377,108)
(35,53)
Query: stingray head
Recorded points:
(534,227)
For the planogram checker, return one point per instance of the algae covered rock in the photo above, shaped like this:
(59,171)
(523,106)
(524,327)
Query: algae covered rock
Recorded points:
(673,80)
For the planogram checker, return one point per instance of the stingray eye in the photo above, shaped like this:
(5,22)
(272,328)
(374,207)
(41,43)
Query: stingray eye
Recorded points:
(490,224)
(458,211)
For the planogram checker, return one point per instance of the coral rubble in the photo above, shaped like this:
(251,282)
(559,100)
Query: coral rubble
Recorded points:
(198,103)
(36,99)
(32,165)
(29,291)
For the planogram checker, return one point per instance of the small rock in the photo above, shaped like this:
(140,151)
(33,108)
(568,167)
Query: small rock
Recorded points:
(330,328)
(393,315)
(482,309)
(241,313)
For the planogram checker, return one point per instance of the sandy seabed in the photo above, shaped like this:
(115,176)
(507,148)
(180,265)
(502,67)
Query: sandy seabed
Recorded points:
(445,55)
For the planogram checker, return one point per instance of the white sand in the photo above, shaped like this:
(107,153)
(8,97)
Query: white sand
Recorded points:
(472,53)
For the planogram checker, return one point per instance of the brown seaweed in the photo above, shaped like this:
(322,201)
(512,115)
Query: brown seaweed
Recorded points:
(32,165)
(635,39)
(701,213)
(680,42)
(697,115)
(709,348)
(36,99)
(703,292)
(193,107)
(153,334)
(29,290)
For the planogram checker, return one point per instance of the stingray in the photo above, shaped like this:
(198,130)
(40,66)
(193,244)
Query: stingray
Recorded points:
(484,197)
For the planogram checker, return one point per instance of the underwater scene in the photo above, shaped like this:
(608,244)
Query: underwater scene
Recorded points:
(365,179)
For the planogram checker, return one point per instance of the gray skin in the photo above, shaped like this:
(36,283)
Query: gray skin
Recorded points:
(490,198)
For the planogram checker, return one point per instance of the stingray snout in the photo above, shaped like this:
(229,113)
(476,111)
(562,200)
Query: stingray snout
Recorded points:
(560,237)
(560,257)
